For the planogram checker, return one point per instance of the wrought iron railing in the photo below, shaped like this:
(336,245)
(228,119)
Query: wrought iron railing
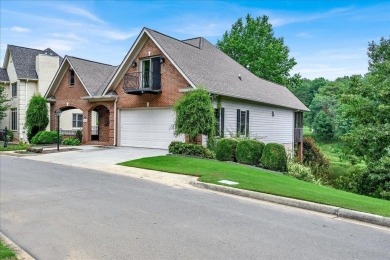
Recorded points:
(142,81)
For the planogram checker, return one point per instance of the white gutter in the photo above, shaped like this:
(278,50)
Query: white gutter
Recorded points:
(116,100)
(25,112)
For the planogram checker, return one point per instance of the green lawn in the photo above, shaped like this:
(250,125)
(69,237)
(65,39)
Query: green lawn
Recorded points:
(255,179)
(13,147)
(6,252)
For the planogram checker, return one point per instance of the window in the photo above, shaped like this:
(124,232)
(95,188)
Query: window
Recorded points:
(151,73)
(219,121)
(77,120)
(71,77)
(14,89)
(242,123)
(14,119)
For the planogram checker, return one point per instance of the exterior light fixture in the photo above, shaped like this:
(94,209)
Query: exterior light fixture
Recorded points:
(58,115)
(134,64)
(162,60)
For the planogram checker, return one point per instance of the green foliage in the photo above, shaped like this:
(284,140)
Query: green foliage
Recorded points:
(307,89)
(13,147)
(3,102)
(190,149)
(379,177)
(71,141)
(37,117)
(195,115)
(249,151)
(274,157)
(313,157)
(6,252)
(300,172)
(10,135)
(253,44)
(79,135)
(323,126)
(352,181)
(226,149)
(45,137)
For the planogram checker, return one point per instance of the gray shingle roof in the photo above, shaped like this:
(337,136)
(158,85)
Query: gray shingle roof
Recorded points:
(3,75)
(94,75)
(206,65)
(24,60)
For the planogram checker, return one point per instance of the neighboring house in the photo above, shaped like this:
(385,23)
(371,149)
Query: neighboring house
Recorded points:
(25,71)
(134,101)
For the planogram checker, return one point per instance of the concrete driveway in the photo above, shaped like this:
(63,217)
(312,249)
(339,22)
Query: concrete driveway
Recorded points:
(97,157)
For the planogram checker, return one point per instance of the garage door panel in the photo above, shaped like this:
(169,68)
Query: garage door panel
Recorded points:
(151,128)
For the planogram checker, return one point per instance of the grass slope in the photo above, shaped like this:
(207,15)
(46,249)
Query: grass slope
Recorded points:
(6,252)
(255,179)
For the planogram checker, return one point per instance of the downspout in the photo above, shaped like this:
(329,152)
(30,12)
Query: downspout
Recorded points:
(25,113)
(116,100)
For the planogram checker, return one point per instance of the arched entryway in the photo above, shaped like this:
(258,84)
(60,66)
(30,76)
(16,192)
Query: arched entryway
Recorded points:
(71,121)
(100,127)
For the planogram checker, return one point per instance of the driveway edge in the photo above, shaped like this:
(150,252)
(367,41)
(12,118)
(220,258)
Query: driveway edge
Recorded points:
(20,253)
(336,211)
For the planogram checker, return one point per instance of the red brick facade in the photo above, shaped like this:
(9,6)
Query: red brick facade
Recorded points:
(68,97)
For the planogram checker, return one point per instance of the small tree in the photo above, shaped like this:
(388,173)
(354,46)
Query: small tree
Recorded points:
(37,117)
(195,115)
(3,103)
(323,126)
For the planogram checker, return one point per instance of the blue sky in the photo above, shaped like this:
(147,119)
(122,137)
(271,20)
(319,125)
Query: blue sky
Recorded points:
(327,38)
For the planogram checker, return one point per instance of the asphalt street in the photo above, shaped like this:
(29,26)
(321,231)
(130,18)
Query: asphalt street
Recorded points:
(60,212)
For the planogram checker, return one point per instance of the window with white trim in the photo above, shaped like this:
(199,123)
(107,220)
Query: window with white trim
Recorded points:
(71,77)
(242,122)
(77,120)
(219,121)
(14,119)
(14,90)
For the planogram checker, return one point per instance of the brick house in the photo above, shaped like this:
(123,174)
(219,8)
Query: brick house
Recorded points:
(134,100)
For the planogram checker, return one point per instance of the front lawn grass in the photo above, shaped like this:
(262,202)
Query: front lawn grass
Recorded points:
(256,179)
(6,252)
(13,147)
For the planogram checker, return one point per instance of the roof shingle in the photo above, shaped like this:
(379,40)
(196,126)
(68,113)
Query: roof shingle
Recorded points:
(3,75)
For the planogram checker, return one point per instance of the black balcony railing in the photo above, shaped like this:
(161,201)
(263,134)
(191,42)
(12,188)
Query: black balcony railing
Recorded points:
(138,83)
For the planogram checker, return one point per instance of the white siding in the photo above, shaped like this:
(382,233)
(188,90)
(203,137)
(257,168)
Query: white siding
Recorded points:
(262,125)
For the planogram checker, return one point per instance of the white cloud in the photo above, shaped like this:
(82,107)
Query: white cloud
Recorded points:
(19,29)
(56,45)
(120,36)
(80,12)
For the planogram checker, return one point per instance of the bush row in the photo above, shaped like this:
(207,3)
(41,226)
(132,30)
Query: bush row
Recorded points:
(45,137)
(190,149)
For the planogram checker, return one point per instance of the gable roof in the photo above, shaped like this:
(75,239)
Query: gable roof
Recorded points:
(24,60)
(3,75)
(94,75)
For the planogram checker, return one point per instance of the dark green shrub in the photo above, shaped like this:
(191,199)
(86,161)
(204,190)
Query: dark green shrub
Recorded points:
(249,151)
(314,158)
(274,157)
(323,126)
(226,149)
(45,137)
(79,135)
(10,136)
(190,149)
(37,117)
(71,141)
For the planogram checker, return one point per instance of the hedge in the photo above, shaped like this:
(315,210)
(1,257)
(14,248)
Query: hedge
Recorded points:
(176,147)
(45,137)
(226,149)
(249,151)
(274,157)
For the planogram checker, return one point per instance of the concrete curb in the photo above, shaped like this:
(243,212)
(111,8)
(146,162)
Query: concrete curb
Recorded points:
(20,253)
(336,211)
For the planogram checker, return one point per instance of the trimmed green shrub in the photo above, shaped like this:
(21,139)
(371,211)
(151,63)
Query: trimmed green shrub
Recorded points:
(315,159)
(226,149)
(176,147)
(300,172)
(274,157)
(71,141)
(10,136)
(249,151)
(79,135)
(45,137)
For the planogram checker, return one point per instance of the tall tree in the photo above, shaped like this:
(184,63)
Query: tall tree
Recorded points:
(3,102)
(253,45)
(37,117)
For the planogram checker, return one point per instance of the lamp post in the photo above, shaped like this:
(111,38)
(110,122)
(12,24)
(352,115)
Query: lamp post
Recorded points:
(58,114)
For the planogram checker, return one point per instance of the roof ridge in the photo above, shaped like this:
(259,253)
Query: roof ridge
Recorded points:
(90,61)
(173,38)
(25,47)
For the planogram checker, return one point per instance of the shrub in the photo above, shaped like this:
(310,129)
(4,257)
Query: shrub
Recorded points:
(351,181)
(274,157)
(176,147)
(71,141)
(323,126)
(249,151)
(226,149)
(315,159)
(45,137)
(10,136)
(37,117)
(300,172)
(79,135)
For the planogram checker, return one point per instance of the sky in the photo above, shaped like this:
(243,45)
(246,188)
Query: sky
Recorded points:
(327,38)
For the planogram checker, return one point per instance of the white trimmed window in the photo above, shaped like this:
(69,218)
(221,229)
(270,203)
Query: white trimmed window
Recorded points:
(242,122)
(14,90)
(77,120)
(14,119)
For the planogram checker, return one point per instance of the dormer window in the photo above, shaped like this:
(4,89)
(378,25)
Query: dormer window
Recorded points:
(71,77)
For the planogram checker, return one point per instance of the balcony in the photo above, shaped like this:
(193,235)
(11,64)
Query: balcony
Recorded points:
(138,83)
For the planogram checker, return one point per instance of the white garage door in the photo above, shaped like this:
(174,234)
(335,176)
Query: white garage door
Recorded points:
(150,128)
